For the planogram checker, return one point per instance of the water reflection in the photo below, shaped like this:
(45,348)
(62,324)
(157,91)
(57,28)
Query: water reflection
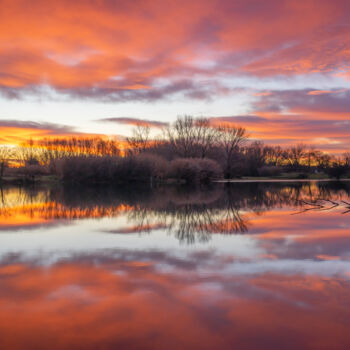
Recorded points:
(126,301)
(262,266)
(189,214)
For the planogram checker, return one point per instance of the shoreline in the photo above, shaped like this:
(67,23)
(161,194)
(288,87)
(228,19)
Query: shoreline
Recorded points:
(49,180)
(280,180)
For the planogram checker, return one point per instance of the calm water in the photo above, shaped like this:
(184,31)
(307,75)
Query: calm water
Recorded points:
(245,266)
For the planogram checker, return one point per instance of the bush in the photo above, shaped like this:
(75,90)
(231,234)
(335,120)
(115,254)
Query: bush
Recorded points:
(30,171)
(191,170)
(209,170)
(150,165)
(142,167)
(184,169)
(86,168)
(94,169)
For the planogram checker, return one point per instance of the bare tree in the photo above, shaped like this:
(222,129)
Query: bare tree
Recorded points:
(73,146)
(140,139)
(205,135)
(6,153)
(346,158)
(256,155)
(322,160)
(230,138)
(26,153)
(310,156)
(191,137)
(181,136)
(295,155)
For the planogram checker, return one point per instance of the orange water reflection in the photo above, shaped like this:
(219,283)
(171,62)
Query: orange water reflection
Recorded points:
(129,304)
(259,272)
(20,208)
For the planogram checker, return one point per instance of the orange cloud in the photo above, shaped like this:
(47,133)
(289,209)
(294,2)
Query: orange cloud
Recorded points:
(147,51)
(100,48)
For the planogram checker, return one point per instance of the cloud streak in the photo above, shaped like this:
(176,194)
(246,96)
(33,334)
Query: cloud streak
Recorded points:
(52,128)
(319,102)
(17,131)
(296,116)
(134,122)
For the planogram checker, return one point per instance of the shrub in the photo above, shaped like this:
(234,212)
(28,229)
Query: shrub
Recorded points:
(142,167)
(30,171)
(184,169)
(95,169)
(209,170)
(150,165)
(193,170)
(86,168)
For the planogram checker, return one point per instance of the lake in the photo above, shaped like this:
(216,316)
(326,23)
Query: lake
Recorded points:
(244,266)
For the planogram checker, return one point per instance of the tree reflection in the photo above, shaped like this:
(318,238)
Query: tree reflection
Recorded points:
(191,214)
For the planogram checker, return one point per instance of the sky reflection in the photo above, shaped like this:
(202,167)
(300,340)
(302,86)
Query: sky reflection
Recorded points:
(118,271)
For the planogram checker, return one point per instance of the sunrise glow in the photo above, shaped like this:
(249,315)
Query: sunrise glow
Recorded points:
(280,68)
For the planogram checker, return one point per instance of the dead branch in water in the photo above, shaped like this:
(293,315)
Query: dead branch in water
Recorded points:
(322,207)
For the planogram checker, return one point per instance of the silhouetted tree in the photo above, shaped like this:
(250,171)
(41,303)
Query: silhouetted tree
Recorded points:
(190,137)
(140,139)
(295,155)
(229,139)
(6,154)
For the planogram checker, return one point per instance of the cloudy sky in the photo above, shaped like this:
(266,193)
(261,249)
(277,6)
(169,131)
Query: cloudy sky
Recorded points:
(281,68)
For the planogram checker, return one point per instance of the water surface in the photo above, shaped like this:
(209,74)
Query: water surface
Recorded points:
(244,266)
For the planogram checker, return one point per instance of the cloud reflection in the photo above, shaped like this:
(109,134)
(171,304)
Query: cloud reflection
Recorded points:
(127,302)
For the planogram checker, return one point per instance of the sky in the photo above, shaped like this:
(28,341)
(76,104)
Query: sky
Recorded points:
(280,68)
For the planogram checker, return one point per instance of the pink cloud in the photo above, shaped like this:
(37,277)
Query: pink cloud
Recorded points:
(93,49)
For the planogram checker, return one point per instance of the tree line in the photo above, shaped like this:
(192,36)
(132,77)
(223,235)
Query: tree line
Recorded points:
(188,150)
